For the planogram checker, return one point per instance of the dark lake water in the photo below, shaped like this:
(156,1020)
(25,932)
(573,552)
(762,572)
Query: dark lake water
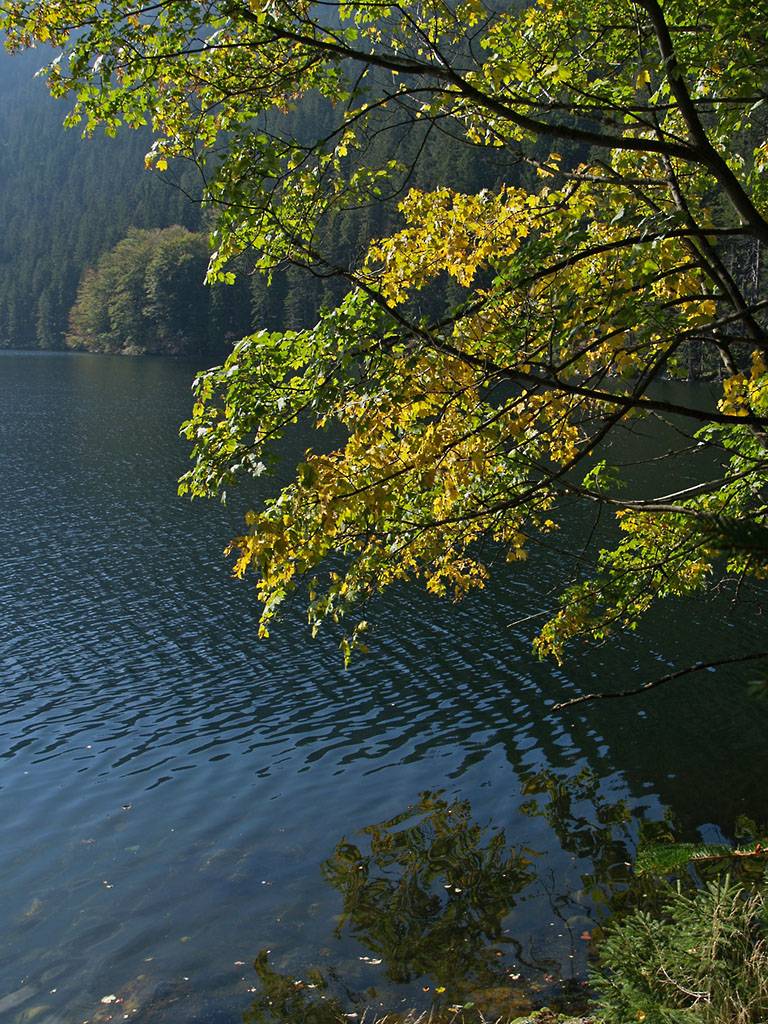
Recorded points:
(177,796)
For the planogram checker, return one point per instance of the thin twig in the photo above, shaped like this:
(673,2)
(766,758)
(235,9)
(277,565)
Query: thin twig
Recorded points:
(700,667)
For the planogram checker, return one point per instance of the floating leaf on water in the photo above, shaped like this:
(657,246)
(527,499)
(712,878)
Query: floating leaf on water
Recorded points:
(34,907)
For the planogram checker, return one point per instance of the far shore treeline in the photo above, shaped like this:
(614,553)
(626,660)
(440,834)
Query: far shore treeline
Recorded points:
(99,254)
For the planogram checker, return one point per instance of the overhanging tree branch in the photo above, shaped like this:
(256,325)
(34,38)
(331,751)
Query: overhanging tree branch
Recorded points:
(702,666)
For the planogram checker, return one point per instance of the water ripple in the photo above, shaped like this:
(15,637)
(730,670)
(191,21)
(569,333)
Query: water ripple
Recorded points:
(170,784)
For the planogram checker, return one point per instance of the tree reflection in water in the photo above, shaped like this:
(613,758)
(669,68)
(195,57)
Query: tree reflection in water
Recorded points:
(429,893)
(284,999)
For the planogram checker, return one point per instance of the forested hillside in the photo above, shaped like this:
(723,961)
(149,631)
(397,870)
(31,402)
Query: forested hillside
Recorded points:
(63,202)
(67,203)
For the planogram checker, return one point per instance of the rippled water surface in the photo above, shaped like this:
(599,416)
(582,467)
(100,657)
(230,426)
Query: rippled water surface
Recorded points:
(176,796)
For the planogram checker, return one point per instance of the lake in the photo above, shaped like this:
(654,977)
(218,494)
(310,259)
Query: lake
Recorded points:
(179,798)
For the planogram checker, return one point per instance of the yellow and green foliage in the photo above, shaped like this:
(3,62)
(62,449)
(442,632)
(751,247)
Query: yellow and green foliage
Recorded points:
(634,238)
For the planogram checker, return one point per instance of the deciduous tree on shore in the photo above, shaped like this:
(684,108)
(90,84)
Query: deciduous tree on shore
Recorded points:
(639,238)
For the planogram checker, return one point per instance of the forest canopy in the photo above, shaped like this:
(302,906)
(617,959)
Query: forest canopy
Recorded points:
(147,295)
(619,243)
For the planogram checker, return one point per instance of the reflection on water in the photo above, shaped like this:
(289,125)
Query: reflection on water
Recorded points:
(174,792)
(430,894)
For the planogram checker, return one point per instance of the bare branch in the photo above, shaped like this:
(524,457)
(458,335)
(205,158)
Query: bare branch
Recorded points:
(702,666)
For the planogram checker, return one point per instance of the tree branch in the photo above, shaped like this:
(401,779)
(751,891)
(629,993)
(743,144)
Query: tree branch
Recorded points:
(700,667)
(705,151)
(452,82)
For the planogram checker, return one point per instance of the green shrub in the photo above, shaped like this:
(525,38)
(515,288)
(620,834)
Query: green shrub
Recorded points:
(704,961)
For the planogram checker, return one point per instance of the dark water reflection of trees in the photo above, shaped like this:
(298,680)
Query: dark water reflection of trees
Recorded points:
(429,893)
